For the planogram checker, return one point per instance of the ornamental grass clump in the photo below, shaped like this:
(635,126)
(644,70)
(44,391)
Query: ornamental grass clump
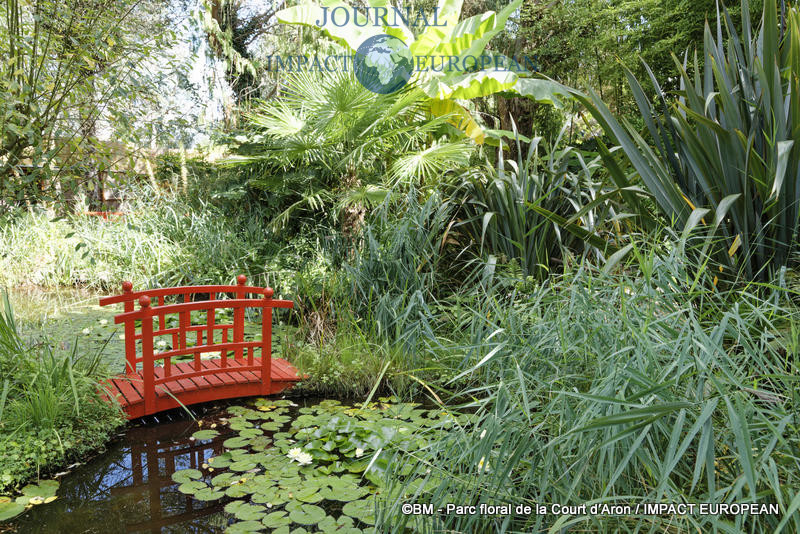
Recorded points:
(601,389)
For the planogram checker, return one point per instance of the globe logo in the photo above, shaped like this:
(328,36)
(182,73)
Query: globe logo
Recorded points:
(383,64)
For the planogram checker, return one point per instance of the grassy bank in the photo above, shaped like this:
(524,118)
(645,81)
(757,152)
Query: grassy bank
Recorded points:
(605,389)
(50,409)
(162,240)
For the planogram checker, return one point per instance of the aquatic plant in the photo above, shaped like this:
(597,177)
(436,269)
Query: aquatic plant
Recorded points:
(322,469)
(50,405)
(32,495)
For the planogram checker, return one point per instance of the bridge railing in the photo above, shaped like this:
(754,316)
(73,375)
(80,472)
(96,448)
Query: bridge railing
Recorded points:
(231,335)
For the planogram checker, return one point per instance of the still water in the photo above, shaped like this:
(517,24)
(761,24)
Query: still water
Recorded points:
(129,488)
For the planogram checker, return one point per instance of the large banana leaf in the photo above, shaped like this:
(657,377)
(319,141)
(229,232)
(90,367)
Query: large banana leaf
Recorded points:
(398,28)
(478,44)
(350,35)
(541,90)
(470,85)
(438,43)
(464,35)
(460,117)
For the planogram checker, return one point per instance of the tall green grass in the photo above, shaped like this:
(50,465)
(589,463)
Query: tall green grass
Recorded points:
(164,239)
(593,388)
(393,281)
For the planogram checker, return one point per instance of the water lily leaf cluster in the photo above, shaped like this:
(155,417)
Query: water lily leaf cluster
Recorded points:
(312,469)
(32,495)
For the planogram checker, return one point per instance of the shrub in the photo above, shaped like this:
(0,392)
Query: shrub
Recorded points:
(513,212)
(50,405)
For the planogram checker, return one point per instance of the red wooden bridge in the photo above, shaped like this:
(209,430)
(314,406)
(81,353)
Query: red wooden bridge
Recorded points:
(221,363)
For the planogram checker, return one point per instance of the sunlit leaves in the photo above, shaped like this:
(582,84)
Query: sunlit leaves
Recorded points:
(272,490)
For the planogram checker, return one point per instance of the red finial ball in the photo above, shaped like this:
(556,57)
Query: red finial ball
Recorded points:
(144,301)
(241,279)
(268,292)
(127,286)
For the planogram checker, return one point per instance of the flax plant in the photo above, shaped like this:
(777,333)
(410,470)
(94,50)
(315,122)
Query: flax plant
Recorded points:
(727,144)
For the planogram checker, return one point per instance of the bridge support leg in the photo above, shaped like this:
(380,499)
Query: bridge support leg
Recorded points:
(266,344)
(148,373)
(130,334)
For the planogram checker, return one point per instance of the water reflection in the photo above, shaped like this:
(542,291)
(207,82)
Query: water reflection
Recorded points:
(130,489)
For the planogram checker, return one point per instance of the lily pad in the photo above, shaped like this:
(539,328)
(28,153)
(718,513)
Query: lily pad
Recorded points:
(242,465)
(341,440)
(186,475)
(10,509)
(205,434)
(239,423)
(260,443)
(270,496)
(235,443)
(276,519)
(208,494)
(245,511)
(192,487)
(277,417)
(224,479)
(223,460)
(330,525)
(245,527)
(348,495)
(363,510)
(44,489)
(250,433)
(307,514)
(308,495)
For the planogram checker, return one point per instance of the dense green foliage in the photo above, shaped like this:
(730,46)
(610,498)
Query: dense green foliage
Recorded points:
(597,389)
(50,407)
(581,43)
(71,69)
(331,144)
(321,465)
(163,240)
(612,299)
(507,211)
(727,147)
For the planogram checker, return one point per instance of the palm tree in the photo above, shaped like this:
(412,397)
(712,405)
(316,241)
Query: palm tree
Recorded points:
(328,141)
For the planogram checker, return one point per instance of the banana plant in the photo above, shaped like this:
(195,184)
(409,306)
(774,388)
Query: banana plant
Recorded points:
(448,38)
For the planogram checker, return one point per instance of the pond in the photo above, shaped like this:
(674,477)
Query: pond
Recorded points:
(129,489)
(259,465)
(65,316)
(249,465)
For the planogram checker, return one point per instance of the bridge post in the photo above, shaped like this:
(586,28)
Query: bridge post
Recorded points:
(266,343)
(130,333)
(238,317)
(148,372)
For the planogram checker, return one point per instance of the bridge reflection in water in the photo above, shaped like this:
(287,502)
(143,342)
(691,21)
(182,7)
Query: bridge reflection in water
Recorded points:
(130,489)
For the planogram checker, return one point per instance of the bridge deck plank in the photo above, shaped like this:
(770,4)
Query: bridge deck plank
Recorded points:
(223,385)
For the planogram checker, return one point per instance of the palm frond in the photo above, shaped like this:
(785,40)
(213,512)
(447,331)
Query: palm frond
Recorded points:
(430,164)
